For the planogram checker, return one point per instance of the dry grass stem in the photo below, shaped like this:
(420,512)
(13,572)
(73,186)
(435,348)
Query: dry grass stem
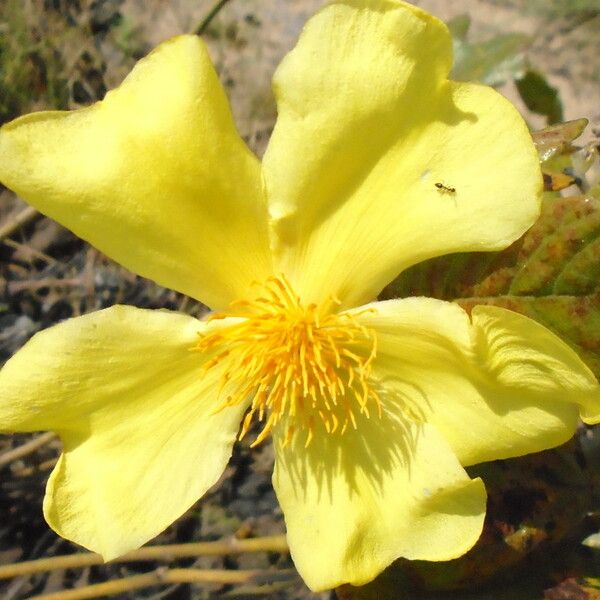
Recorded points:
(14,287)
(163,577)
(29,471)
(29,252)
(25,449)
(276,543)
(24,217)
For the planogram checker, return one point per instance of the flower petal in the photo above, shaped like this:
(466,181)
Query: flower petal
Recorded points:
(135,412)
(155,176)
(499,386)
(367,125)
(355,502)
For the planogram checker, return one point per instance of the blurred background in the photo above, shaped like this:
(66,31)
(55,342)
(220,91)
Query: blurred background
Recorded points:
(544,55)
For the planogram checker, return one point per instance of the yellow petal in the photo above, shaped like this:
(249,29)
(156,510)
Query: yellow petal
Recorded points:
(499,386)
(355,502)
(134,410)
(523,354)
(155,176)
(367,126)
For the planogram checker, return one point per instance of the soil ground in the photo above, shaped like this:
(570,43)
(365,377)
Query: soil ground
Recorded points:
(565,45)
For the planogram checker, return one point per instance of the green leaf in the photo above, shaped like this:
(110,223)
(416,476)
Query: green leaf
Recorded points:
(562,8)
(459,27)
(592,541)
(552,275)
(556,139)
(539,96)
(493,61)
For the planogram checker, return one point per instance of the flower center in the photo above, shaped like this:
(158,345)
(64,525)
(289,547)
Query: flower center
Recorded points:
(303,363)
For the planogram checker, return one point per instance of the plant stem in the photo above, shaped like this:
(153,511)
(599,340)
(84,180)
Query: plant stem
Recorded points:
(167,552)
(163,577)
(24,217)
(25,449)
(214,11)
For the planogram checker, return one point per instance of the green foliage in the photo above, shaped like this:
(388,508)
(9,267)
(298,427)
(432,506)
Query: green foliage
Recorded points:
(128,39)
(30,68)
(56,57)
(559,8)
(493,61)
(552,274)
(500,59)
(556,140)
(539,96)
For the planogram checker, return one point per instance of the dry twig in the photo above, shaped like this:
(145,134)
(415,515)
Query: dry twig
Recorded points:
(14,287)
(27,448)
(163,577)
(24,217)
(167,552)
(29,252)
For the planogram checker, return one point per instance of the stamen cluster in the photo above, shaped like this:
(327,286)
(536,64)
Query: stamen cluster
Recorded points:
(305,363)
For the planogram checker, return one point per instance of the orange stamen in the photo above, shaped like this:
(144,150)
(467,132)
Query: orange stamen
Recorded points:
(301,362)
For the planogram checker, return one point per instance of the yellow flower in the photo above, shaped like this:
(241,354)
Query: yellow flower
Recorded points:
(372,409)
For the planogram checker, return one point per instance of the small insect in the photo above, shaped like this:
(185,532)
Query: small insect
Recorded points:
(445,188)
